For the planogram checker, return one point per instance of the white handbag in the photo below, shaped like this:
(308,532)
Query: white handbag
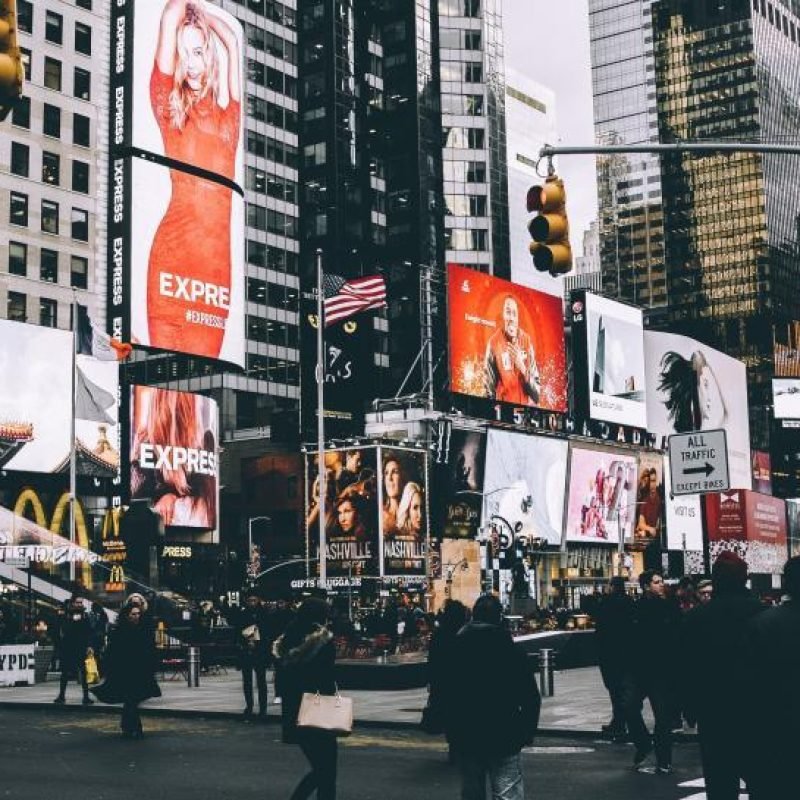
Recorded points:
(326,712)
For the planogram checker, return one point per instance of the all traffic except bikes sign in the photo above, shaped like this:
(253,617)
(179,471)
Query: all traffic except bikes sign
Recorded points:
(698,462)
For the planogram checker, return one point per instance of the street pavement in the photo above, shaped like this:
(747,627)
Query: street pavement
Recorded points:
(579,705)
(50,754)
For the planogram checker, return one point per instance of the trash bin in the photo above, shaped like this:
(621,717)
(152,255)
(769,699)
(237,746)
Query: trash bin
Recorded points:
(193,663)
(546,670)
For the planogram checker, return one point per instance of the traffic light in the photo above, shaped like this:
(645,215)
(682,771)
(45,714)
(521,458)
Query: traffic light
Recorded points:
(550,229)
(11,69)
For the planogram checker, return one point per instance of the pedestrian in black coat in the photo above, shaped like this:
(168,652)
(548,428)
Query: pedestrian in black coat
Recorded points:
(492,705)
(305,657)
(774,656)
(74,637)
(715,679)
(130,665)
(254,644)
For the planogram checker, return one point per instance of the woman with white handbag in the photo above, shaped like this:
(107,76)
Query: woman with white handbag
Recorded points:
(313,712)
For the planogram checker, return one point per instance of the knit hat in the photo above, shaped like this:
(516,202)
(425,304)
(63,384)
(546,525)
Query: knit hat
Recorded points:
(729,572)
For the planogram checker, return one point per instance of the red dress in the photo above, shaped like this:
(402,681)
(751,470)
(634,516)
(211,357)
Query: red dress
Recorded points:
(189,272)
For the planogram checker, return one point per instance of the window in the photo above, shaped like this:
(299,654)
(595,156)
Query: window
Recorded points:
(87,4)
(472,8)
(472,40)
(480,239)
(53,27)
(48,266)
(25,16)
(18,210)
(83,39)
(51,168)
(49,217)
(80,130)
(80,224)
(80,177)
(52,121)
(16,307)
(473,72)
(476,138)
(21,116)
(314,155)
(78,272)
(48,313)
(20,159)
(83,84)
(26,62)
(475,104)
(18,258)
(477,205)
(52,73)
(476,172)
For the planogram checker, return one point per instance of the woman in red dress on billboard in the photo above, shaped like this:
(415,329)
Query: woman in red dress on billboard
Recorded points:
(196,97)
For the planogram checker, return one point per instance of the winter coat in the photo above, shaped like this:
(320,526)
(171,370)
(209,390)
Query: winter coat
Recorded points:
(614,624)
(492,702)
(130,666)
(307,666)
(75,635)
(655,633)
(252,648)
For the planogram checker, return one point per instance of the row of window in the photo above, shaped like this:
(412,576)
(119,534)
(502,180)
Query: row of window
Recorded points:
(266,293)
(271,44)
(17,309)
(54,32)
(270,331)
(468,71)
(51,167)
(458,39)
(273,369)
(258,180)
(273,79)
(464,171)
(79,219)
(53,72)
(51,122)
(48,265)
(463,104)
(273,11)
(271,113)
(459,8)
(476,239)
(265,146)
(267,219)
(464,138)
(274,258)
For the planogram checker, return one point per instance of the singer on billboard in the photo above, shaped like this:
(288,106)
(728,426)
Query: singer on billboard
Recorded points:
(195,96)
(510,370)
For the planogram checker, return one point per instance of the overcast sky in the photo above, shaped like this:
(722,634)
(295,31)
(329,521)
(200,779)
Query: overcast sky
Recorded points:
(549,42)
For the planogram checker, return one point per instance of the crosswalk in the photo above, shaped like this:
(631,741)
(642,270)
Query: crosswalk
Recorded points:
(699,783)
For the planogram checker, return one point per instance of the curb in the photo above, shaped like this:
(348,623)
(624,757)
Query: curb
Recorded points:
(187,713)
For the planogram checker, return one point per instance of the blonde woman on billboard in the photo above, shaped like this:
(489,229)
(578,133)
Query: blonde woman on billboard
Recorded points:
(195,93)
(409,511)
(393,483)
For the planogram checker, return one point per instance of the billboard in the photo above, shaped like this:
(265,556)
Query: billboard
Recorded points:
(684,518)
(174,457)
(601,500)
(506,341)
(649,523)
(793,519)
(461,574)
(351,512)
(691,386)
(177,169)
(608,339)
(762,472)
(459,487)
(524,486)
(786,398)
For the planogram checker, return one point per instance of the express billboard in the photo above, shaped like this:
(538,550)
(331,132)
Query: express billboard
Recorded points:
(506,341)
(601,500)
(691,386)
(174,456)
(608,356)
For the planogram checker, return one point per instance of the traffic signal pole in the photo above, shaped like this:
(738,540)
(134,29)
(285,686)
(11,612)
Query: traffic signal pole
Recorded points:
(548,151)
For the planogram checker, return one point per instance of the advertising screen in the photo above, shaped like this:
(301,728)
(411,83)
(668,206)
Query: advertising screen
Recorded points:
(404,513)
(524,486)
(691,386)
(173,455)
(34,397)
(506,341)
(459,487)
(649,499)
(601,504)
(786,398)
(615,362)
(351,512)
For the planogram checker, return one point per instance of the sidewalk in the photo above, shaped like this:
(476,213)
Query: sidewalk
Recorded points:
(579,706)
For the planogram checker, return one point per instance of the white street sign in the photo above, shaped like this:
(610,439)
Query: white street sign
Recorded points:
(22,562)
(698,462)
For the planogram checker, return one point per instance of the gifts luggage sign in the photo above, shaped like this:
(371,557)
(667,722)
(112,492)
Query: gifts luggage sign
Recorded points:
(698,462)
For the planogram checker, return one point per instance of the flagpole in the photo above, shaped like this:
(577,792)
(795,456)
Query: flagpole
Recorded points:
(321,471)
(72,454)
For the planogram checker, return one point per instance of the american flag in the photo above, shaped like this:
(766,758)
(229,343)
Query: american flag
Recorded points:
(345,298)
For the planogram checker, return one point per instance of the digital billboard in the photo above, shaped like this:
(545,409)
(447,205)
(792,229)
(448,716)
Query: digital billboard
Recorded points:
(459,485)
(691,386)
(786,398)
(174,455)
(608,341)
(649,523)
(351,512)
(524,486)
(506,341)
(601,500)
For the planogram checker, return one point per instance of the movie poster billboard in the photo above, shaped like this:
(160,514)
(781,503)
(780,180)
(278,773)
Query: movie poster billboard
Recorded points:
(601,501)
(460,485)
(649,524)
(351,512)
(174,456)
(786,398)
(506,341)
(404,511)
(524,486)
(608,339)
(691,386)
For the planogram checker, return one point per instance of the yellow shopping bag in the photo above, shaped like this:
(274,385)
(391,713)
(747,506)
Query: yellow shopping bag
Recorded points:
(92,672)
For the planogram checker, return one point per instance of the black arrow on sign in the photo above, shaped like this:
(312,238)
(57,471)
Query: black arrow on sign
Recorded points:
(708,469)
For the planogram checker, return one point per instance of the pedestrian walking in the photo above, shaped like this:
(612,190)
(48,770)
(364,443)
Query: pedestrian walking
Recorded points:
(130,666)
(614,629)
(487,727)
(774,651)
(715,676)
(305,657)
(73,646)
(655,637)
(253,643)
(98,623)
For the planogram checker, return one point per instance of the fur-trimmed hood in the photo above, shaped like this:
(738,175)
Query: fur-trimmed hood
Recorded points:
(305,650)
